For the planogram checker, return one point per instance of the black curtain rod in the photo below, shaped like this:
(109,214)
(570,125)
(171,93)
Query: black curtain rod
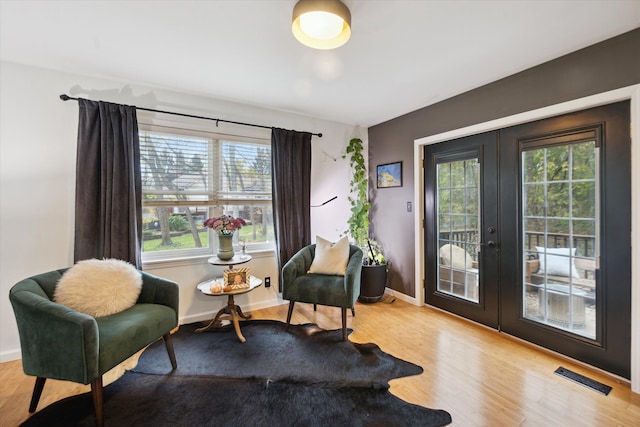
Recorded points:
(322,204)
(67,98)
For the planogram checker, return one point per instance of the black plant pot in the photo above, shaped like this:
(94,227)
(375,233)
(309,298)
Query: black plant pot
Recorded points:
(372,283)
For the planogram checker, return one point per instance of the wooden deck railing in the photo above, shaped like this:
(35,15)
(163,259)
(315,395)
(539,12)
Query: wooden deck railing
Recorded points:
(585,245)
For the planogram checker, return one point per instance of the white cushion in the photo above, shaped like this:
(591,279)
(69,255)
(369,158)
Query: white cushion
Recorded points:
(99,287)
(557,262)
(330,258)
(456,257)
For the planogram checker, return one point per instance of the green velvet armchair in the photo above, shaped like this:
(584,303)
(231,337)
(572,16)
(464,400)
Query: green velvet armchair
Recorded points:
(60,343)
(336,291)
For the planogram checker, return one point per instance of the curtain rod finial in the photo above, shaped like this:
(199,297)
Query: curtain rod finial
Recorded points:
(65,97)
(322,204)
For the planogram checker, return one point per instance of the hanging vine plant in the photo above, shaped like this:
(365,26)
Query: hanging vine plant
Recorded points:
(359,219)
(374,268)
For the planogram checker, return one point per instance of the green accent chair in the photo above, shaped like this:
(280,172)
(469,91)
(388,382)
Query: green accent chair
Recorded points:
(60,343)
(335,291)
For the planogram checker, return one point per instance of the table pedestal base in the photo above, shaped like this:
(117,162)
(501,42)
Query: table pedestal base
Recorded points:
(234,312)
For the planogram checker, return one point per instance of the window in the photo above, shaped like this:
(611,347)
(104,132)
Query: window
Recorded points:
(190,176)
(458,207)
(560,207)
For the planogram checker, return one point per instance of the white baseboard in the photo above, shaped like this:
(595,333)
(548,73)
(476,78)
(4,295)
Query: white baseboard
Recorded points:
(11,355)
(208,315)
(403,297)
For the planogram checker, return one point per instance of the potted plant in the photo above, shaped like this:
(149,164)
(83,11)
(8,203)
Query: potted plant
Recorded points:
(374,268)
(374,273)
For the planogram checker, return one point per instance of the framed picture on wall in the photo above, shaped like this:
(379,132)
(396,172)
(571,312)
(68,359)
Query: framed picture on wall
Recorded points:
(389,175)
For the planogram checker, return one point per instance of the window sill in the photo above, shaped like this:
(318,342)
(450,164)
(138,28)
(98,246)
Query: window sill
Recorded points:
(195,260)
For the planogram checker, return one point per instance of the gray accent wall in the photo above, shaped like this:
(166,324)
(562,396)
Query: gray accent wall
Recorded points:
(611,64)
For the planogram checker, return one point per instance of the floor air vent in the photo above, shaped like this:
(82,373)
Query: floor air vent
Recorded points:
(582,380)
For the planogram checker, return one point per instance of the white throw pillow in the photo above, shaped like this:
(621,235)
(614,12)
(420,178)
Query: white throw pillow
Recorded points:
(331,258)
(99,287)
(557,262)
(456,257)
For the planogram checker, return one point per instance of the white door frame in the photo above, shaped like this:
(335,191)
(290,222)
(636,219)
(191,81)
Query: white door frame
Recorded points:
(627,93)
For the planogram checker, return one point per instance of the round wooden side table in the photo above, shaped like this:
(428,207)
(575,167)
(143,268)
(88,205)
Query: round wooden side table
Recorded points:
(233,311)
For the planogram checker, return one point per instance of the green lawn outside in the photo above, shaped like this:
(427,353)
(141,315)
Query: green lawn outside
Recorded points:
(185,241)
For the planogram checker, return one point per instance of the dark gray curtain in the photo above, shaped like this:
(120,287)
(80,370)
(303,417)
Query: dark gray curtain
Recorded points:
(291,177)
(108,183)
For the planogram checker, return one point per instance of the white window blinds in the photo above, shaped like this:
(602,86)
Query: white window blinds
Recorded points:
(184,170)
(245,173)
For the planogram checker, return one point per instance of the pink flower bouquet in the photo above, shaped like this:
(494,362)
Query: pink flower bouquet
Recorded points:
(224,224)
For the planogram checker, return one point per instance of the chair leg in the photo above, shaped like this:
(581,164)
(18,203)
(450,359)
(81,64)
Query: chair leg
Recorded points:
(315,307)
(37,392)
(98,401)
(291,304)
(344,324)
(169,345)
(353,311)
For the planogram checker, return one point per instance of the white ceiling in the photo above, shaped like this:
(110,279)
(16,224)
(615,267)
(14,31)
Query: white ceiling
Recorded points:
(403,55)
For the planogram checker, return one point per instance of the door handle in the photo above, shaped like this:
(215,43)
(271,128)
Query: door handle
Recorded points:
(490,244)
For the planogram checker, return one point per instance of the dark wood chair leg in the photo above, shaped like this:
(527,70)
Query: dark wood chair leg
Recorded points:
(315,307)
(169,345)
(291,304)
(98,401)
(353,311)
(37,392)
(344,324)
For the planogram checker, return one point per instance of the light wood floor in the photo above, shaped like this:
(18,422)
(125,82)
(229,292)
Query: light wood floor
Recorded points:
(481,377)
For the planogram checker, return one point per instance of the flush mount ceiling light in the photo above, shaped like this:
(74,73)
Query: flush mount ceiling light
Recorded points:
(321,24)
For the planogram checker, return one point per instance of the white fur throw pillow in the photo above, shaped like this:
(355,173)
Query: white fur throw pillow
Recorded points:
(330,258)
(99,287)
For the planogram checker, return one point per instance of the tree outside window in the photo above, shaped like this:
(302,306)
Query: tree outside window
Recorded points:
(190,177)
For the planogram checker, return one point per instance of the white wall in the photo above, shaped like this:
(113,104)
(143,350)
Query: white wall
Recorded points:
(37,181)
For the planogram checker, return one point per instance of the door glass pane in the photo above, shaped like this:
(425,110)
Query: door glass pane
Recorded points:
(458,210)
(560,226)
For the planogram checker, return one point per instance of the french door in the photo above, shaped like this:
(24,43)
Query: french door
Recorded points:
(461,219)
(528,231)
